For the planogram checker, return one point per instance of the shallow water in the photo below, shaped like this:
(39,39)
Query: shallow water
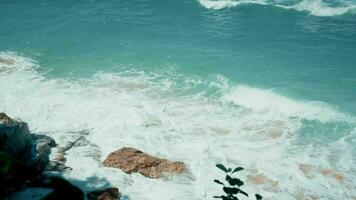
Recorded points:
(266,85)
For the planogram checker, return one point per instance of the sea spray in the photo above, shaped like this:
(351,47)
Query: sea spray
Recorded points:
(239,125)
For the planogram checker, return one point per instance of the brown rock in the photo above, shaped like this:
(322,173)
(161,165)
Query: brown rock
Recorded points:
(133,160)
(107,194)
(5,119)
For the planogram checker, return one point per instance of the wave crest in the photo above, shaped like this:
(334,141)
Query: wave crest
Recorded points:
(313,7)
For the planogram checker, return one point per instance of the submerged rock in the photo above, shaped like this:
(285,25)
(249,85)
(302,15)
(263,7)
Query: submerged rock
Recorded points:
(310,171)
(305,168)
(260,179)
(107,194)
(333,173)
(132,160)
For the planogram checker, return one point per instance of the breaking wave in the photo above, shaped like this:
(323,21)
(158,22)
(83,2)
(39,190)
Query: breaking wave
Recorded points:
(313,7)
(198,121)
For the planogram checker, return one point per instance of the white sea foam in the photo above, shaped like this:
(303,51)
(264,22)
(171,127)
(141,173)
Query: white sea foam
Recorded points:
(319,8)
(266,101)
(220,4)
(239,126)
(313,7)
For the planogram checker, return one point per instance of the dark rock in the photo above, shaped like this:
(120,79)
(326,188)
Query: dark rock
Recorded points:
(45,140)
(79,141)
(17,141)
(107,194)
(57,166)
(15,137)
(62,189)
(28,153)
(31,193)
(133,160)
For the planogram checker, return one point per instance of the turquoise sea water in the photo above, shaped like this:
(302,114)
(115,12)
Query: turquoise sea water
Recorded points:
(208,77)
(303,55)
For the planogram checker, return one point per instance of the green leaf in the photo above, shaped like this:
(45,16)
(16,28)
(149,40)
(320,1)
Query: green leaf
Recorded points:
(218,182)
(237,169)
(228,178)
(222,167)
(229,170)
(221,197)
(236,181)
(258,197)
(242,192)
(230,190)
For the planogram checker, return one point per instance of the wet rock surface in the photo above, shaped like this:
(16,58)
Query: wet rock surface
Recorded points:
(132,160)
(56,166)
(24,155)
(15,137)
(107,194)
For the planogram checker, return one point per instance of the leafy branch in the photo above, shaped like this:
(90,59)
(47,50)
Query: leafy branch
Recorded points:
(232,186)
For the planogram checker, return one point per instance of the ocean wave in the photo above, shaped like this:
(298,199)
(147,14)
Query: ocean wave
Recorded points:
(173,116)
(266,101)
(313,7)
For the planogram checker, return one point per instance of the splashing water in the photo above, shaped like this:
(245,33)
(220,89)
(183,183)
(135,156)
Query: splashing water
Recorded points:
(200,122)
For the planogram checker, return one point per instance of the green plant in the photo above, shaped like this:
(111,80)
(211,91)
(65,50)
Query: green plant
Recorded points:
(232,188)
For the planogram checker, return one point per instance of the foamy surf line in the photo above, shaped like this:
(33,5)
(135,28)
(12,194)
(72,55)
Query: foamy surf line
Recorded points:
(313,7)
(244,126)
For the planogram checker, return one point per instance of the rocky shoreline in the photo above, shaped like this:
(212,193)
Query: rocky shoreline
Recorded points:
(25,161)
